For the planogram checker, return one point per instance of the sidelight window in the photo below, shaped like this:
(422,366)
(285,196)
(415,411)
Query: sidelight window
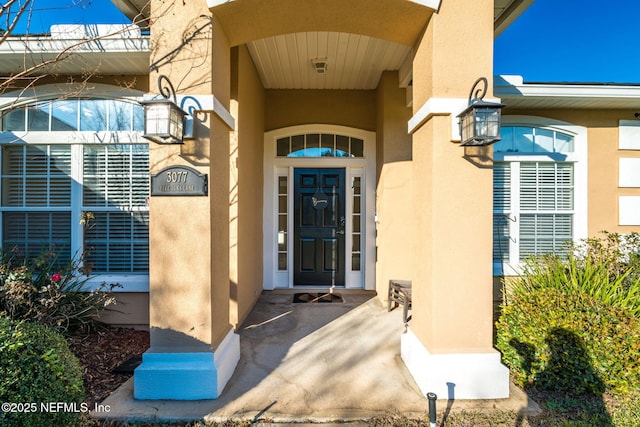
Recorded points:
(282,222)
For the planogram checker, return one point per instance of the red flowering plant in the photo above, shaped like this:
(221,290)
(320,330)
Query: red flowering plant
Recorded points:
(52,292)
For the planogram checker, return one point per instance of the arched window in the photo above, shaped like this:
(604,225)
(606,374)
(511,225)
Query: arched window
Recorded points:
(319,145)
(535,184)
(65,190)
(75,115)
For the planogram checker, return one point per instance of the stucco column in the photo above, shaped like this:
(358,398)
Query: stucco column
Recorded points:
(394,207)
(448,347)
(193,347)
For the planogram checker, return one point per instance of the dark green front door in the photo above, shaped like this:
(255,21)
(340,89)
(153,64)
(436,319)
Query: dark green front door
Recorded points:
(319,221)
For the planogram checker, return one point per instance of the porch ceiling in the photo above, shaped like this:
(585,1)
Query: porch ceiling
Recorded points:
(353,61)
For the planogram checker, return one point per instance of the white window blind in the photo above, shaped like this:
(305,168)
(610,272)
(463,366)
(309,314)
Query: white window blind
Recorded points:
(501,211)
(36,200)
(115,191)
(118,241)
(40,209)
(28,234)
(36,176)
(546,207)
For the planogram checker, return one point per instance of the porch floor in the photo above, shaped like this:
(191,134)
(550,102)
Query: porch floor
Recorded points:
(314,362)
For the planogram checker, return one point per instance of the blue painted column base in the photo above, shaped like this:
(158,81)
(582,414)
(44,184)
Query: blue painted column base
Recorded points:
(165,375)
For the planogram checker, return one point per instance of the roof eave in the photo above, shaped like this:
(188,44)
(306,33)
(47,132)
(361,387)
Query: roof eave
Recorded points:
(515,93)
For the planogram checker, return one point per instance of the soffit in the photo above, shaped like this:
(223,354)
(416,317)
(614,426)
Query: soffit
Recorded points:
(517,94)
(129,57)
(133,8)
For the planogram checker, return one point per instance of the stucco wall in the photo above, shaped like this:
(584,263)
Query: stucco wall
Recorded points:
(452,292)
(131,310)
(189,236)
(246,169)
(354,108)
(394,184)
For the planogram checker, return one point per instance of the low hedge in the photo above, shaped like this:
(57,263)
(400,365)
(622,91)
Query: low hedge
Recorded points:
(38,368)
(556,340)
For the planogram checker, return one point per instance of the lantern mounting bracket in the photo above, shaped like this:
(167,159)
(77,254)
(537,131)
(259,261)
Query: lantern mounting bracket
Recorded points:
(479,93)
(168,91)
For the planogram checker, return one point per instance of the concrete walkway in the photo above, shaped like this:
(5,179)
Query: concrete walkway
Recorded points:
(319,362)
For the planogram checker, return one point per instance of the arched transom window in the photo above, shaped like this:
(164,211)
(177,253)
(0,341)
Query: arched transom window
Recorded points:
(319,145)
(75,115)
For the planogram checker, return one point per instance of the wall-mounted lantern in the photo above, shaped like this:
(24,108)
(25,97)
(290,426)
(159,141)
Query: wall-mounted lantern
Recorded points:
(164,120)
(480,121)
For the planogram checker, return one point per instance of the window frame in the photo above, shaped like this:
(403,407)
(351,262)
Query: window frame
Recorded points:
(76,139)
(513,267)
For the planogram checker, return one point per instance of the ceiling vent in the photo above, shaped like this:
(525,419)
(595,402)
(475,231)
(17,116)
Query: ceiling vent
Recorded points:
(320,65)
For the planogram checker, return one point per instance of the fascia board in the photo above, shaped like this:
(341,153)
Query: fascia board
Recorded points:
(48,45)
(513,86)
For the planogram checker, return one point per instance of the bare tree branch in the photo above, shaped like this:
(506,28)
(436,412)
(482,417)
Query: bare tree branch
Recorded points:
(6,13)
(36,68)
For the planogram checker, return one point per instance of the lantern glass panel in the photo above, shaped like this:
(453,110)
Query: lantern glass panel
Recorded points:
(157,119)
(467,127)
(176,124)
(487,125)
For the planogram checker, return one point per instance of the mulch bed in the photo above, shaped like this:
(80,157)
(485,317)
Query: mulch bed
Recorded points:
(100,352)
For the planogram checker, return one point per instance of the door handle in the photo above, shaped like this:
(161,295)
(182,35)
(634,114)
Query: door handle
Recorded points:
(339,231)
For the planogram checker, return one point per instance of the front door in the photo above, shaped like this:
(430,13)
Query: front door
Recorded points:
(319,226)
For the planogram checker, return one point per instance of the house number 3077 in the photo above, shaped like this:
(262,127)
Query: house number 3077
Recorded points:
(175,177)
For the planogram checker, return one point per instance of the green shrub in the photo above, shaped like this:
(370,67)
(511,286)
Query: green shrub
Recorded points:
(607,269)
(45,291)
(38,368)
(572,322)
(571,342)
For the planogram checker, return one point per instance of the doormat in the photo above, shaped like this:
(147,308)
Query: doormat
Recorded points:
(128,366)
(316,297)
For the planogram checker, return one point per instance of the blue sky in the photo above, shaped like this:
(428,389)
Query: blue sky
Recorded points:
(553,41)
(573,41)
(48,12)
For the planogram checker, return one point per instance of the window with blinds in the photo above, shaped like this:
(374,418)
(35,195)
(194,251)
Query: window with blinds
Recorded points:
(76,198)
(546,207)
(115,190)
(533,196)
(36,200)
